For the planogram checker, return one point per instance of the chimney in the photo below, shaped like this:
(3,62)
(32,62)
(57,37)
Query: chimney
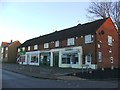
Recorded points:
(11,41)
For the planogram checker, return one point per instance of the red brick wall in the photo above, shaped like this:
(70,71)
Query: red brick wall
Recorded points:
(110,30)
(119,50)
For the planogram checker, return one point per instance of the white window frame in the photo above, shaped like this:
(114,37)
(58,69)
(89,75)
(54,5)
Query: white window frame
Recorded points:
(110,40)
(18,49)
(2,50)
(70,41)
(23,48)
(88,39)
(28,48)
(57,43)
(98,45)
(46,45)
(100,56)
(6,48)
(35,47)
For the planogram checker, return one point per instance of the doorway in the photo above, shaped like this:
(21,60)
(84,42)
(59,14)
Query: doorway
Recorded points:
(55,59)
(88,60)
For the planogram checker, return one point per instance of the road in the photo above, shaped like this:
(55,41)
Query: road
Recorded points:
(15,80)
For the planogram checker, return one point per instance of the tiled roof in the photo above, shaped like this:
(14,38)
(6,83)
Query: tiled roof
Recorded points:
(80,29)
(5,44)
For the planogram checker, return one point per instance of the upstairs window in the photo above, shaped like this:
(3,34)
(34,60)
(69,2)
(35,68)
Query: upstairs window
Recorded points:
(99,56)
(28,48)
(57,44)
(110,40)
(70,41)
(18,49)
(35,47)
(2,50)
(46,45)
(88,39)
(23,48)
(6,48)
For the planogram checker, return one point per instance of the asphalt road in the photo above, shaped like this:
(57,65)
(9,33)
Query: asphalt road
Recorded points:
(15,80)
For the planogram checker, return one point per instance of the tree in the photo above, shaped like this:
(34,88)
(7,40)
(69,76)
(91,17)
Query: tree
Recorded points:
(105,9)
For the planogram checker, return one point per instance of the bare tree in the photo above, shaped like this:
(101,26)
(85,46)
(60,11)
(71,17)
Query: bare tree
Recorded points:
(105,9)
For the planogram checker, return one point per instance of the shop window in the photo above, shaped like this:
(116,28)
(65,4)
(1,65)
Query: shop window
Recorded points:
(56,43)
(6,55)
(110,40)
(74,58)
(70,58)
(34,59)
(70,41)
(65,59)
(88,39)
(35,47)
(1,56)
(21,59)
(46,45)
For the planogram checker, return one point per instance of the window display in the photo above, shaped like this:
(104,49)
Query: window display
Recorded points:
(34,59)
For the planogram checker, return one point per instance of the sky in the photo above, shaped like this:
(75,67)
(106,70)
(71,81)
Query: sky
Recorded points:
(25,20)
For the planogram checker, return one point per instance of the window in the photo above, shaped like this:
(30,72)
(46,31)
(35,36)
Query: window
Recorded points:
(6,55)
(28,48)
(23,48)
(2,50)
(100,56)
(76,37)
(110,40)
(6,48)
(1,56)
(57,44)
(68,58)
(110,51)
(88,39)
(35,47)
(98,45)
(18,49)
(46,45)
(34,58)
(81,36)
(70,41)
(111,59)
(65,59)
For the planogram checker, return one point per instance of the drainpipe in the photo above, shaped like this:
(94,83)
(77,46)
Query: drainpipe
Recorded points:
(95,50)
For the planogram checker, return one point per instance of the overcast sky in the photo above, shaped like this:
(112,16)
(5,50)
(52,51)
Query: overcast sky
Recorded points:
(25,20)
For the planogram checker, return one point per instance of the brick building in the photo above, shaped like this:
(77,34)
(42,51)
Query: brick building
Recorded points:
(90,45)
(119,50)
(9,51)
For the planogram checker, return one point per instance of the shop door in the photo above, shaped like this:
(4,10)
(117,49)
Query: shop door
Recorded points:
(55,59)
(45,60)
(88,60)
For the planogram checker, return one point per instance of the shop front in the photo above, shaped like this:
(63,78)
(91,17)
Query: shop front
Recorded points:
(45,57)
(33,57)
(22,59)
(67,57)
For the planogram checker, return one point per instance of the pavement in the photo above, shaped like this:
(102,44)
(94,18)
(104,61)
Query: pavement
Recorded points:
(42,71)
